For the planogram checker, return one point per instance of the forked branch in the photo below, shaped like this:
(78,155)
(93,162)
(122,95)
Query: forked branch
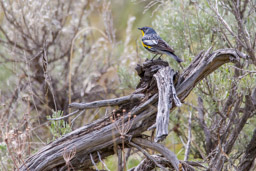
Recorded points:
(101,135)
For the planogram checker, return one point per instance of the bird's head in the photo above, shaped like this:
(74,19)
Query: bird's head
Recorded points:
(147,30)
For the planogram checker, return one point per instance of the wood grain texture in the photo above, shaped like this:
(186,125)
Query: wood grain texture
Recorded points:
(166,96)
(100,135)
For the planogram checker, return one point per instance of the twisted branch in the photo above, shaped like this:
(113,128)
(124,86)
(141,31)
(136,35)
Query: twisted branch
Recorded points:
(97,137)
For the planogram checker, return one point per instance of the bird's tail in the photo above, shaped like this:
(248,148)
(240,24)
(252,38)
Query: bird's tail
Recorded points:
(174,56)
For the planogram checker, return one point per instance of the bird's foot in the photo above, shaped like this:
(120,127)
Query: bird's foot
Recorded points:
(154,57)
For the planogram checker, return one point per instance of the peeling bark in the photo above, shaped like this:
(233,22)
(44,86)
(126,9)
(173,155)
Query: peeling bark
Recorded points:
(100,135)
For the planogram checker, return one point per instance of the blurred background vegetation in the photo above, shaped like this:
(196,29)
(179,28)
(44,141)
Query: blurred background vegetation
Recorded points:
(54,51)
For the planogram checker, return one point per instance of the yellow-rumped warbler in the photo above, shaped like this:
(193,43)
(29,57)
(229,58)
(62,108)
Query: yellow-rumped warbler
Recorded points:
(155,44)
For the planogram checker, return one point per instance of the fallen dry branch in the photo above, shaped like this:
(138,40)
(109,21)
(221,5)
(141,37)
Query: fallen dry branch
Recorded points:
(170,156)
(110,102)
(156,163)
(99,137)
(148,165)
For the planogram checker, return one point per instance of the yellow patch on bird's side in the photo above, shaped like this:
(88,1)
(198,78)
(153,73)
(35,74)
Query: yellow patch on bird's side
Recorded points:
(142,41)
(145,45)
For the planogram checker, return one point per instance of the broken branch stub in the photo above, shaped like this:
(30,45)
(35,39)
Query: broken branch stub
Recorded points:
(166,96)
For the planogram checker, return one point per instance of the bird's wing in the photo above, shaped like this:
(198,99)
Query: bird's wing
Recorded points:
(156,42)
(162,45)
(150,40)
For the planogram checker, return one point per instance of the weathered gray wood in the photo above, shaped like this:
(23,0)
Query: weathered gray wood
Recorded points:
(203,65)
(147,155)
(166,95)
(98,136)
(109,102)
(148,165)
(169,155)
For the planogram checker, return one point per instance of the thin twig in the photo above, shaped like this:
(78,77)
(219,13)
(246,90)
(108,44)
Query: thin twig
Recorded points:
(119,155)
(93,162)
(109,102)
(102,161)
(128,154)
(189,138)
(71,114)
(73,120)
(147,155)
(71,55)
(221,19)
(203,125)
(123,152)
(242,69)
(169,155)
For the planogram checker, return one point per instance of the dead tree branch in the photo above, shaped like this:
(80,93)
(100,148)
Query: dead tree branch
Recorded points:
(110,102)
(208,137)
(148,156)
(148,165)
(227,142)
(170,156)
(101,135)
(189,138)
(166,91)
(250,154)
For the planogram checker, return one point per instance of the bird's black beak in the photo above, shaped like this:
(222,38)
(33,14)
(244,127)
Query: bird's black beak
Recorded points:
(140,28)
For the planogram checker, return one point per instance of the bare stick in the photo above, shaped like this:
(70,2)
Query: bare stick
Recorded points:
(123,153)
(148,155)
(66,116)
(93,162)
(148,165)
(109,102)
(73,120)
(102,161)
(128,154)
(169,155)
(215,10)
(203,125)
(189,138)
(166,91)
(119,155)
